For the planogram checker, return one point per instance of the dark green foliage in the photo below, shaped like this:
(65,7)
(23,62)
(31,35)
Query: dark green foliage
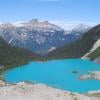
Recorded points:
(78,48)
(95,54)
(13,56)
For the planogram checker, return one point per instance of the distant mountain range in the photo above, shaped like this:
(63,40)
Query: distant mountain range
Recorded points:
(80,47)
(14,40)
(40,37)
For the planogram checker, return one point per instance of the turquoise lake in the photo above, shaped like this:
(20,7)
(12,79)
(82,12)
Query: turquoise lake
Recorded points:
(57,73)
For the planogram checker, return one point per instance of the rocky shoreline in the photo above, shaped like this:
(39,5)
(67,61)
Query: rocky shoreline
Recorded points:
(91,75)
(28,91)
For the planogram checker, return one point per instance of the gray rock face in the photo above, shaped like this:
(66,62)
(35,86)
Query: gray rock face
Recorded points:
(97,60)
(37,36)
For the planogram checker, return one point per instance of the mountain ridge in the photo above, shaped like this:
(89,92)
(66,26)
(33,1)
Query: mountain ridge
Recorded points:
(37,36)
(79,47)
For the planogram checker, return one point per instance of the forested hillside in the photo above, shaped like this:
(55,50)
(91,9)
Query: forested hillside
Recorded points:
(95,54)
(13,56)
(78,48)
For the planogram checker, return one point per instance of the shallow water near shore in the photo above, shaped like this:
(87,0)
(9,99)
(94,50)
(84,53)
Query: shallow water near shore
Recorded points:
(62,74)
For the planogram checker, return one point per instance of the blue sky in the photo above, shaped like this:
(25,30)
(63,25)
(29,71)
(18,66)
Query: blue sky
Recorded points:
(60,11)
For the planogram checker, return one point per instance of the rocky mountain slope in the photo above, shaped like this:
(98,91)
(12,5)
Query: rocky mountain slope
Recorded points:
(13,56)
(79,47)
(39,37)
(94,53)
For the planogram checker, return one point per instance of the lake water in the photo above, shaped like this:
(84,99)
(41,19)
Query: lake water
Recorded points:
(57,73)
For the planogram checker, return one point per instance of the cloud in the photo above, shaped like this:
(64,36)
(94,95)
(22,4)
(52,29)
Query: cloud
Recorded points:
(68,25)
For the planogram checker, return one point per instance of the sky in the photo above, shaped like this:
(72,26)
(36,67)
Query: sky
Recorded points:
(62,12)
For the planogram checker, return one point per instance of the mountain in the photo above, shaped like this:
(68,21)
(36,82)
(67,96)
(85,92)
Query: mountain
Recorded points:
(80,29)
(11,56)
(95,55)
(79,47)
(39,37)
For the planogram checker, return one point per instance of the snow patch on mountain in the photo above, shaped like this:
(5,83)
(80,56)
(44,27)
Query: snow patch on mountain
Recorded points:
(10,40)
(82,27)
(51,49)
(38,36)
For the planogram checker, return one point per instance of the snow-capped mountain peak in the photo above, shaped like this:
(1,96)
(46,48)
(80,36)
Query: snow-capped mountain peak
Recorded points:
(81,27)
(41,25)
(38,36)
